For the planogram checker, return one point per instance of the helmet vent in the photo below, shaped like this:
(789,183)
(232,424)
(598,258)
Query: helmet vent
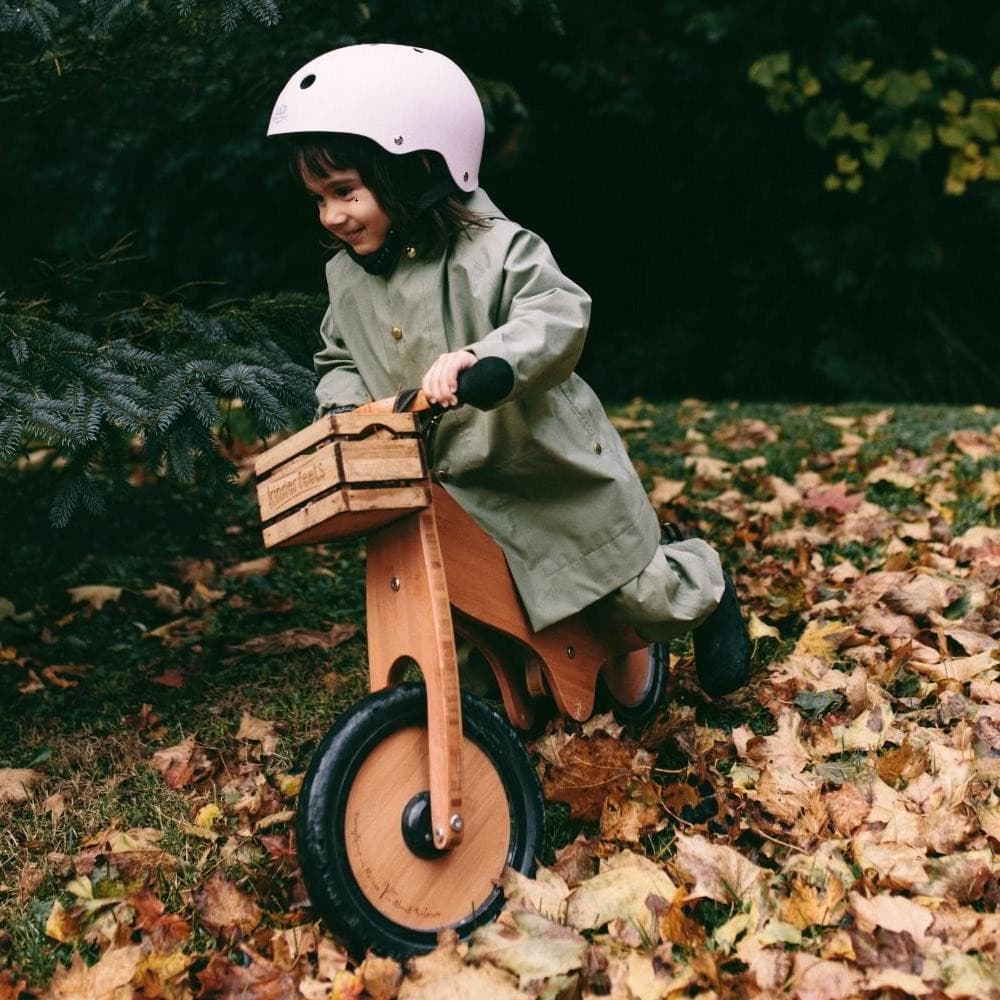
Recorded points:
(398,140)
(308,81)
(415,49)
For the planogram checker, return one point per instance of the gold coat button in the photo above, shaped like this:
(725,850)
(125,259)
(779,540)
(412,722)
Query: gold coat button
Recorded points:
(411,252)
(397,333)
(597,448)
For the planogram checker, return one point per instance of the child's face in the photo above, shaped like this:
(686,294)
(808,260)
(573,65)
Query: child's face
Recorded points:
(349,210)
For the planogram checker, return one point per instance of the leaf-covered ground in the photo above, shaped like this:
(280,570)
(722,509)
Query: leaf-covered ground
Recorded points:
(828,832)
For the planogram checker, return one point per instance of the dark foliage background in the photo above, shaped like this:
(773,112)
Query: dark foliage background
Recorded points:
(767,199)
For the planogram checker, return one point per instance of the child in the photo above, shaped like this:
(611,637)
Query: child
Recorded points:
(432,277)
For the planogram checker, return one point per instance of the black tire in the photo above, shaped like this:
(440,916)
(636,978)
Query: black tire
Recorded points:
(343,868)
(647,709)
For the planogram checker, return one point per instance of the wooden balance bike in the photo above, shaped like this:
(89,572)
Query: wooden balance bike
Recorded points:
(420,795)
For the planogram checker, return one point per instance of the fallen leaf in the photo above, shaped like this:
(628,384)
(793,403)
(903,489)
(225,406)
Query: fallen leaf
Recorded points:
(759,629)
(834,499)
(167,598)
(619,892)
(546,893)
(166,931)
(106,979)
(719,872)
(260,731)
(170,678)
(381,977)
(225,909)
(96,595)
(252,567)
(665,491)
(816,979)
(182,764)
(258,978)
(894,913)
(529,945)
(587,772)
(16,782)
(297,638)
(443,975)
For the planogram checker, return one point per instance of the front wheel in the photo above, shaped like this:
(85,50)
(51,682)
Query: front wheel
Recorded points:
(361,843)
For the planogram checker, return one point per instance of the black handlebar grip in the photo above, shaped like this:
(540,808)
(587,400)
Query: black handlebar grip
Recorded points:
(485,383)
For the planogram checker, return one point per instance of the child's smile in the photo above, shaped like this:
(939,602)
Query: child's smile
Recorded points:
(349,210)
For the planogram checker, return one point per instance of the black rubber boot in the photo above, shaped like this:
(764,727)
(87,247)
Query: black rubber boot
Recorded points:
(722,647)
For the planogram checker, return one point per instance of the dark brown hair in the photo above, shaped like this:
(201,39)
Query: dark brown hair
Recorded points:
(397,181)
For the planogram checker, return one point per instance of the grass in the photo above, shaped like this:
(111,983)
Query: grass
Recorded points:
(94,740)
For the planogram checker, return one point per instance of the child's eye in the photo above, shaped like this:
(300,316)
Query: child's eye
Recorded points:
(344,192)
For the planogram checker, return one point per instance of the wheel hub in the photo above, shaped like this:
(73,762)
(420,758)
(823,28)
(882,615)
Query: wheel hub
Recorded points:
(416,825)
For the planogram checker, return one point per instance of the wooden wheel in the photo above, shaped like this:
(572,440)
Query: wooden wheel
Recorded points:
(364,840)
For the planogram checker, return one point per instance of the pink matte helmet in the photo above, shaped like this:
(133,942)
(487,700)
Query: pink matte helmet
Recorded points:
(402,97)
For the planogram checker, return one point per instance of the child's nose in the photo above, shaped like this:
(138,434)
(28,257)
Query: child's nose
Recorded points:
(330,215)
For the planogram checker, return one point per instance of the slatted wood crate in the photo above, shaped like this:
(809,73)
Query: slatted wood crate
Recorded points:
(342,476)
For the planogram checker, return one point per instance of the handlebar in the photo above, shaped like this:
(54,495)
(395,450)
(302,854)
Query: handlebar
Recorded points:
(481,386)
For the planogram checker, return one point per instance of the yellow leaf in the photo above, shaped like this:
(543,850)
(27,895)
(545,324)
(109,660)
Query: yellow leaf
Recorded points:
(817,640)
(59,925)
(207,815)
(759,629)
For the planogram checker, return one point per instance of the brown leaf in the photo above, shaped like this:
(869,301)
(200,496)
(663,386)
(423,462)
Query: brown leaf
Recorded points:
(381,977)
(921,594)
(816,979)
(443,975)
(11,985)
(171,678)
(719,872)
(201,597)
(96,595)
(106,979)
(576,862)
(260,731)
(222,979)
(665,490)
(297,638)
(15,783)
(196,570)
(252,567)
(182,764)
(807,906)
(834,499)
(745,434)
(894,913)
(589,770)
(167,598)
(225,909)
(848,807)
(166,931)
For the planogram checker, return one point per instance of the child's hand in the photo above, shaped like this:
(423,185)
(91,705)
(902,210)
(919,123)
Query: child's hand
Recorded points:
(441,380)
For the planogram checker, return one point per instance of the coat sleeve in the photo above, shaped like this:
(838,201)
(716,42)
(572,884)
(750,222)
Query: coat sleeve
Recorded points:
(542,318)
(339,381)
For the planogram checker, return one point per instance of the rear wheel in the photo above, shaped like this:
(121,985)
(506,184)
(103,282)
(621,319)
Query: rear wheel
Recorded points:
(363,829)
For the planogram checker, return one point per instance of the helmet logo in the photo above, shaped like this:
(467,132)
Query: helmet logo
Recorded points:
(398,140)
(308,81)
(280,114)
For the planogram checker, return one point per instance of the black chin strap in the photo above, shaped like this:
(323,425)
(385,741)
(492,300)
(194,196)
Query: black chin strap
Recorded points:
(384,260)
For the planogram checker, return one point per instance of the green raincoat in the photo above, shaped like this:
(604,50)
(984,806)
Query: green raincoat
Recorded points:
(544,473)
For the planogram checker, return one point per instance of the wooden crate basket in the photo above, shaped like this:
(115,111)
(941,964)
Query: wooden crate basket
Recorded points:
(343,476)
